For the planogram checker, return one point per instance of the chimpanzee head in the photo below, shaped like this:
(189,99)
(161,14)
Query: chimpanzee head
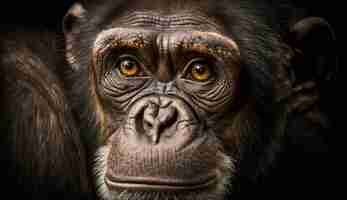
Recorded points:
(181,99)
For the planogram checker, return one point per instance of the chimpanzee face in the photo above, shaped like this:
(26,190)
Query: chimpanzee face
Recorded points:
(167,87)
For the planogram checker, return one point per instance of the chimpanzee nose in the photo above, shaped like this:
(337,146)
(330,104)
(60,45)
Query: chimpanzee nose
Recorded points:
(162,121)
(159,119)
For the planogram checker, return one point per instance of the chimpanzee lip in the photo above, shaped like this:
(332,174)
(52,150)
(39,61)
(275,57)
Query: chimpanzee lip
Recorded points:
(158,183)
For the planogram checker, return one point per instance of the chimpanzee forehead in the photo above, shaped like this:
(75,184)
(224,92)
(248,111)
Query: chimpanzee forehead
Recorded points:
(162,6)
(183,20)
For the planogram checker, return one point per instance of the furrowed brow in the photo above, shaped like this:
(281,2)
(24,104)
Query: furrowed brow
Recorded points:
(208,43)
(122,38)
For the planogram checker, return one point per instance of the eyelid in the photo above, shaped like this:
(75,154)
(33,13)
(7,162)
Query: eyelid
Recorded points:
(143,71)
(186,71)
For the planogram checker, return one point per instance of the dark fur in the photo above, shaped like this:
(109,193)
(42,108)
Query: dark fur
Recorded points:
(43,156)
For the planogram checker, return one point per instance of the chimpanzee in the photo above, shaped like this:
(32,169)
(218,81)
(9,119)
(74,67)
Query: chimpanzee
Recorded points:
(163,99)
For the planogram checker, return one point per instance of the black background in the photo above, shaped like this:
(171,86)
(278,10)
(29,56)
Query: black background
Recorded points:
(50,12)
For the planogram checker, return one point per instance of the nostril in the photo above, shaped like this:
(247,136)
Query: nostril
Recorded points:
(147,125)
(149,117)
(169,117)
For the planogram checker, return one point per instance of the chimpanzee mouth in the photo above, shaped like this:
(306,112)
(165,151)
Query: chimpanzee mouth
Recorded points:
(159,184)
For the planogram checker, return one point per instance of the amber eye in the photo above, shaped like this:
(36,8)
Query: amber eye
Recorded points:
(128,67)
(200,71)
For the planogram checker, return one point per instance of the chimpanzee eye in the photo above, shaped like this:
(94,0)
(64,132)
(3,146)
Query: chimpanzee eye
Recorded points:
(128,67)
(199,71)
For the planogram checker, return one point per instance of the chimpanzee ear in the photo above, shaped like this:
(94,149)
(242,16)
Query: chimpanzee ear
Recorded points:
(314,44)
(73,18)
(314,62)
(72,23)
